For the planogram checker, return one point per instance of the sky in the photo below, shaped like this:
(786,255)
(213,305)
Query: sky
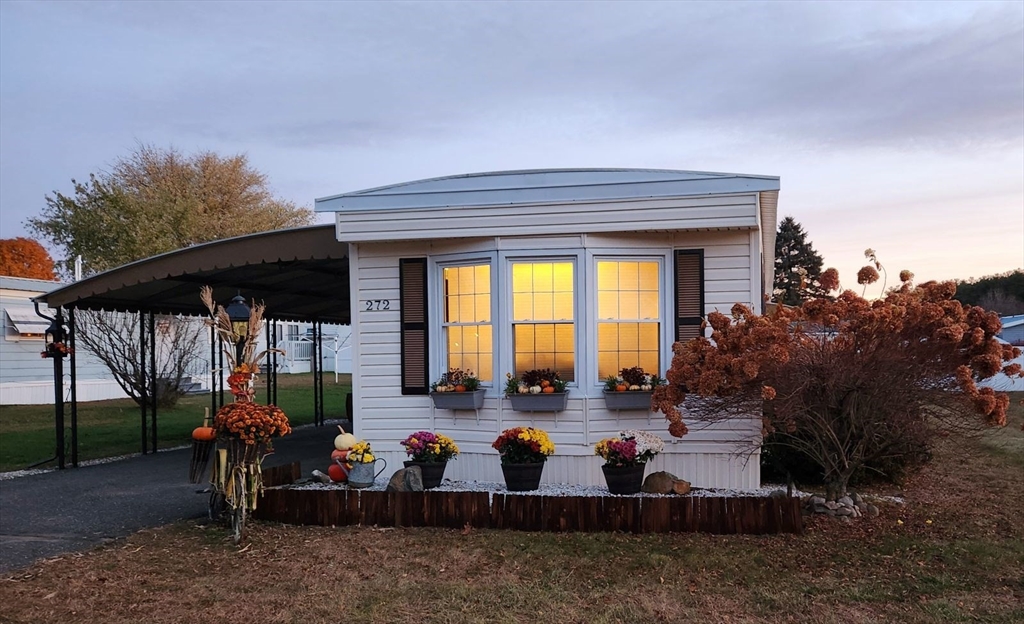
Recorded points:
(895,126)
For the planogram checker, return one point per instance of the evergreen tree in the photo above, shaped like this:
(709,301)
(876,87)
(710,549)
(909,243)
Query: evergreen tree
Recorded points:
(797,265)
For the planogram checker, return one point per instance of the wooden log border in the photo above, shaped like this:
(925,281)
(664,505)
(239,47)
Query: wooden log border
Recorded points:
(524,512)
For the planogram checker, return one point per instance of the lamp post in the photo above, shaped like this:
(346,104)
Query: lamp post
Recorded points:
(57,349)
(238,314)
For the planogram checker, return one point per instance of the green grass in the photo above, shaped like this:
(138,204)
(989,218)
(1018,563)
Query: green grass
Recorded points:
(111,428)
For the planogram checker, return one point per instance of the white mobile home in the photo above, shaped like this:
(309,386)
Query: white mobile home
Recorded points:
(582,271)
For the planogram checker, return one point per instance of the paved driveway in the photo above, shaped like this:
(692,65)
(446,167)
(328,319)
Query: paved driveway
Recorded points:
(64,511)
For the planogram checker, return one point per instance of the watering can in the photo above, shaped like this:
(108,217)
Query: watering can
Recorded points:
(361,475)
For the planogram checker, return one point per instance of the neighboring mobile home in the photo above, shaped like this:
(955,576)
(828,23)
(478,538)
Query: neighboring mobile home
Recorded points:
(582,271)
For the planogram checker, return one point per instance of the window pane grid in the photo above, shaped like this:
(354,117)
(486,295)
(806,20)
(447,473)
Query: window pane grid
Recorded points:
(629,312)
(543,311)
(467,319)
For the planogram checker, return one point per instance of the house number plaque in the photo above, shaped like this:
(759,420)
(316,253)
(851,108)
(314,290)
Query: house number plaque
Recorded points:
(377,305)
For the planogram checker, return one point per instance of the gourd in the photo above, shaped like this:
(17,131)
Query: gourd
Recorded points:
(344,441)
(621,387)
(535,389)
(206,433)
(634,387)
(336,474)
(460,388)
(548,389)
(647,387)
(339,455)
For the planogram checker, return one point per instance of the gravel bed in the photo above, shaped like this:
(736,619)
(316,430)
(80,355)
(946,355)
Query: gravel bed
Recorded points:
(546,489)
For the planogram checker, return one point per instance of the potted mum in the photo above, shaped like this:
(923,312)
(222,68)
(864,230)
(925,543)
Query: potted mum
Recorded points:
(625,458)
(523,452)
(457,389)
(431,452)
(631,389)
(536,390)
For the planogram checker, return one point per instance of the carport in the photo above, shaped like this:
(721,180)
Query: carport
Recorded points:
(301,274)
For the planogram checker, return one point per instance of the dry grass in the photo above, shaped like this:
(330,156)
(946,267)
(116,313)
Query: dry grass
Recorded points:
(954,552)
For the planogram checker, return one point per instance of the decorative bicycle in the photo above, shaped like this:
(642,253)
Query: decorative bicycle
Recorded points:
(236,483)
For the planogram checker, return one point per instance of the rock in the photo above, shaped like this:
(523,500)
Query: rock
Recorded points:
(856,512)
(406,480)
(845,519)
(681,487)
(779,494)
(817,500)
(845,501)
(862,507)
(844,511)
(857,499)
(320,477)
(832,505)
(659,483)
(821,509)
(871,511)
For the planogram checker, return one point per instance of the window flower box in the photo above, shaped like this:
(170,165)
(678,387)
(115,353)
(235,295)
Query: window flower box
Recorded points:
(628,400)
(541,402)
(458,400)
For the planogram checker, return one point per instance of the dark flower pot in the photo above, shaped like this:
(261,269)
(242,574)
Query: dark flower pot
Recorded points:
(433,472)
(629,400)
(550,402)
(624,479)
(522,477)
(458,400)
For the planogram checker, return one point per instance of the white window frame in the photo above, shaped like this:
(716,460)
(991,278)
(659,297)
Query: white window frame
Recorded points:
(580,313)
(435,286)
(663,258)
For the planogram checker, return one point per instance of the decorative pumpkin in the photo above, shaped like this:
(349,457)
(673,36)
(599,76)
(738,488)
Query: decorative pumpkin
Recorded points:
(523,390)
(204,434)
(621,387)
(441,389)
(634,387)
(535,389)
(460,388)
(339,455)
(336,474)
(548,389)
(344,441)
(545,383)
(647,387)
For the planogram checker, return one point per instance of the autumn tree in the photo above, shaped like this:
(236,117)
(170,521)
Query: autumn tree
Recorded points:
(797,265)
(845,381)
(25,257)
(156,200)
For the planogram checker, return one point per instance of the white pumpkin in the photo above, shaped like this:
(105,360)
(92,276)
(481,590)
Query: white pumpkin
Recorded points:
(441,389)
(646,387)
(535,389)
(634,387)
(523,390)
(344,441)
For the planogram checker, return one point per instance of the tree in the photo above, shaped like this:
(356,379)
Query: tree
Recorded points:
(845,381)
(155,201)
(25,257)
(113,337)
(797,265)
(1002,293)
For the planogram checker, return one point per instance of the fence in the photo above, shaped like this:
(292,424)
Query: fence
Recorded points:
(526,512)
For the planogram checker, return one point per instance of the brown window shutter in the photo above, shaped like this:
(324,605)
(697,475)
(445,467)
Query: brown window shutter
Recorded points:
(689,293)
(412,277)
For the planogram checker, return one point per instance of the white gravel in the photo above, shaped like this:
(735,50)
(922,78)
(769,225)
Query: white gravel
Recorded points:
(561,489)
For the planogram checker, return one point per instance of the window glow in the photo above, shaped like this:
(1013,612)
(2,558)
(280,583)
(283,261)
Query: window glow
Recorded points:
(629,312)
(543,313)
(467,319)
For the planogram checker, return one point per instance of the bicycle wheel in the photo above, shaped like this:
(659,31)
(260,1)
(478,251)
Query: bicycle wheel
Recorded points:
(217,505)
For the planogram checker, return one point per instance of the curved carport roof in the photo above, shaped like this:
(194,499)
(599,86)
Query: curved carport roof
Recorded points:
(301,274)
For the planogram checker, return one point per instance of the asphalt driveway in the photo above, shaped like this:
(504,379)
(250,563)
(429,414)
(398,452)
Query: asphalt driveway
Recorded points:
(48,514)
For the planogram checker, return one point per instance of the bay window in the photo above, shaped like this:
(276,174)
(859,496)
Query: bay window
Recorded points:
(543,317)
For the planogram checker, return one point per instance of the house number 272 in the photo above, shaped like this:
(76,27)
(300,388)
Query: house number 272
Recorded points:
(375,305)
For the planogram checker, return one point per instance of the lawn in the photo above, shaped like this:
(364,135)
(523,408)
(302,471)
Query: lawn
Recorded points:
(111,428)
(954,552)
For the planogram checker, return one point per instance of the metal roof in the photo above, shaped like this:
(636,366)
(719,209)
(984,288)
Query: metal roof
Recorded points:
(301,274)
(501,188)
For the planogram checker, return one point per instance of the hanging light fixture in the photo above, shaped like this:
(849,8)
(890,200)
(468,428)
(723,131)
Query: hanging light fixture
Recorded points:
(238,314)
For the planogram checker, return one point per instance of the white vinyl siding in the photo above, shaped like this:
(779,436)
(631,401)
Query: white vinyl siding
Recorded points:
(384,416)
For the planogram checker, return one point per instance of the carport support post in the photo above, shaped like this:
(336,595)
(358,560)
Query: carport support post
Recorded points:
(320,362)
(269,346)
(58,397)
(74,388)
(213,369)
(152,374)
(143,395)
(274,368)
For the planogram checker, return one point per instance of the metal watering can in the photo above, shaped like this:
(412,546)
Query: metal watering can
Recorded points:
(361,475)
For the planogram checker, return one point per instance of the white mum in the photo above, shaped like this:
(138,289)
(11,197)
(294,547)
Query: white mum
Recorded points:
(645,441)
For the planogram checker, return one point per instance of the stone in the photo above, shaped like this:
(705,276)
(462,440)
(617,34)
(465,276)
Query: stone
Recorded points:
(856,512)
(681,487)
(844,511)
(779,494)
(817,500)
(832,505)
(820,509)
(845,501)
(871,511)
(857,499)
(659,483)
(320,477)
(406,480)
(845,519)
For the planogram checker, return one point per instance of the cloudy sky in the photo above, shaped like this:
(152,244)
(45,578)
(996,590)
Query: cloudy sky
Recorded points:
(897,126)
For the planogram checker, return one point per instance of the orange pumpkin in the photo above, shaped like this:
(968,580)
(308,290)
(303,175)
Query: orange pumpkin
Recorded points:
(621,388)
(460,388)
(336,474)
(545,383)
(342,455)
(548,389)
(204,434)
